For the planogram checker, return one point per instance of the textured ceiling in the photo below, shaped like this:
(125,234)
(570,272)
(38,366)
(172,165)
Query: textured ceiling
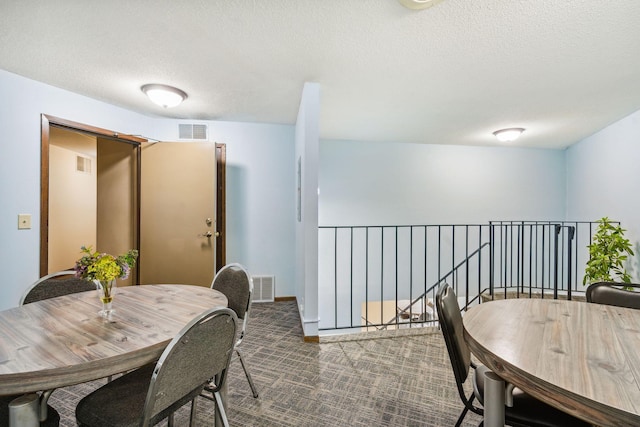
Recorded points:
(449,74)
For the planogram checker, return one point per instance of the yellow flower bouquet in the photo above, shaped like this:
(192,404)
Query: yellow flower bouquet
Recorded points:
(103,269)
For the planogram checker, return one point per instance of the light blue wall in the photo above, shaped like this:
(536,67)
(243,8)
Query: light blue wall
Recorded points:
(260,189)
(22,101)
(260,195)
(367,183)
(603,179)
(360,182)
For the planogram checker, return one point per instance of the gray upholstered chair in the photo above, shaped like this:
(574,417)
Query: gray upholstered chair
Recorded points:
(611,293)
(56,285)
(235,282)
(50,286)
(526,410)
(200,351)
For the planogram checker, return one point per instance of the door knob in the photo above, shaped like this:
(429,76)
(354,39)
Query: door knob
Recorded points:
(207,234)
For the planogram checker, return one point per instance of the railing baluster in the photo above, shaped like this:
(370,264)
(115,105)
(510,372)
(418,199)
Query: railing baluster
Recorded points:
(366,274)
(439,248)
(351,278)
(335,276)
(555,259)
(410,274)
(530,257)
(425,259)
(544,235)
(453,254)
(381,272)
(571,231)
(396,271)
(466,270)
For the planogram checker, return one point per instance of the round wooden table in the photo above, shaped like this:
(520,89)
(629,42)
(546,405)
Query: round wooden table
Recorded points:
(63,341)
(581,358)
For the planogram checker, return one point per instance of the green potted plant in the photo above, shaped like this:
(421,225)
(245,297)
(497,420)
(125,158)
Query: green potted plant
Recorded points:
(608,252)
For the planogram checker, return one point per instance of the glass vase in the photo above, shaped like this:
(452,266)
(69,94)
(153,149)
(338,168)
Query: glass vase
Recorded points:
(106,292)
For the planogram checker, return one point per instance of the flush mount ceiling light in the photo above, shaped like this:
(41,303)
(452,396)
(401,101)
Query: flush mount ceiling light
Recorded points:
(508,135)
(163,95)
(418,4)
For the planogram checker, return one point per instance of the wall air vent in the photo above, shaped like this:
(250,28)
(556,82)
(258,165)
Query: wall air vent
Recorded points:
(263,288)
(83,164)
(192,132)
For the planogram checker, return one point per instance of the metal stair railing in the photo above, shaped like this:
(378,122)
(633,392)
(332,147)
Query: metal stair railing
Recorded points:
(437,284)
(369,275)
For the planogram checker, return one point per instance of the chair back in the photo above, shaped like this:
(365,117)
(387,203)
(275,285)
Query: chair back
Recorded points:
(611,293)
(200,351)
(235,282)
(56,285)
(452,329)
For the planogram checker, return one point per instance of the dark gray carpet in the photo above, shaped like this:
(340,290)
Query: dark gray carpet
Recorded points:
(388,380)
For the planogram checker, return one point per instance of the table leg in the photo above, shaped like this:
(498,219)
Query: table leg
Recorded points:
(493,400)
(24,411)
(44,407)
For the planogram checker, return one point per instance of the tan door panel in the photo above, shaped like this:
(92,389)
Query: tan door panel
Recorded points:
(177,213)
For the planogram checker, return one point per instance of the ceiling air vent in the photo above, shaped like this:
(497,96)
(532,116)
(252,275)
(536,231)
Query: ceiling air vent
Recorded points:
(192,131)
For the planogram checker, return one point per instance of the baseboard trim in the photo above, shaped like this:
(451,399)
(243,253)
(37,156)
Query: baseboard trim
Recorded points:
(311,338)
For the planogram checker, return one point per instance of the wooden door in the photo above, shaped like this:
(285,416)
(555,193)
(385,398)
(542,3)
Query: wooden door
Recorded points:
(177,213)
(101,212)
(116,203)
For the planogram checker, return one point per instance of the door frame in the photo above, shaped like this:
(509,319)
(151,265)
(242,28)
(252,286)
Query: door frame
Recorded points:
(221,206)
(47,122)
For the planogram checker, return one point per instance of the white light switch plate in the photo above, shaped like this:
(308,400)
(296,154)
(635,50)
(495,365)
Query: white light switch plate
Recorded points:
(24,221)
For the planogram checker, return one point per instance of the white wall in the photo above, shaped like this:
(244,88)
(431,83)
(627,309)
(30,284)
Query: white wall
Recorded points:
(603,177)
(307,160)
(367,183)
(260,158)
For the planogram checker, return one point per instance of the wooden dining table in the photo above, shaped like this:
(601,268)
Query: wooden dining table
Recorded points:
(63,341)
(579,357)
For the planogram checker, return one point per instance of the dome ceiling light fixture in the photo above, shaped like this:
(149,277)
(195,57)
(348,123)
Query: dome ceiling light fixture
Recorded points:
(418,4)
(509,134)
(163,95)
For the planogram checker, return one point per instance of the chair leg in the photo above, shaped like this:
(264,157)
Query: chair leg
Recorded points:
(170,420)
(193,412)
(461,417)
(467,405)
(253,387)
(220,408)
